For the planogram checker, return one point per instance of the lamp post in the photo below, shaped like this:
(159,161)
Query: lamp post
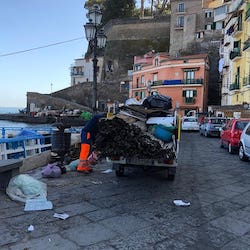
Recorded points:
(97,39)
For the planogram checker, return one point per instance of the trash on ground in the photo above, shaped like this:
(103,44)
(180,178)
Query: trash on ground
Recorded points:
(72,166)
(22,187)
(51,171)
(96,182)
(107,171)
(63,216)
(37,205)
(30,228)
(93,158)
(181,203)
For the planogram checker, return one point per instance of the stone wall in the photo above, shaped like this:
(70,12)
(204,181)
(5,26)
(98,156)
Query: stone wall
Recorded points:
(130,37)
(78,97)
(43,100)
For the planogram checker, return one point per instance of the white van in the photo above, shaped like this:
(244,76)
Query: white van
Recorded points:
(190,123)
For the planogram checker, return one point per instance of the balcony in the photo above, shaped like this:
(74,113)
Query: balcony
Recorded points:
(246,46)
(237,29)
(179,26)
(181,81)
(235,54)
(157,83)
(192,81)
(172,82)
(234,86)
(77,73)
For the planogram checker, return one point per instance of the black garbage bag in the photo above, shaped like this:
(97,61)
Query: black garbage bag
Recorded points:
(158,101)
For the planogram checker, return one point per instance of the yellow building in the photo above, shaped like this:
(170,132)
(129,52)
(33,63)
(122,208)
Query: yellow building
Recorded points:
(239,88)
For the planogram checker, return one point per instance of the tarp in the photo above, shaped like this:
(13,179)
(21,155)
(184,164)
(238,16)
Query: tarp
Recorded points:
(31,134)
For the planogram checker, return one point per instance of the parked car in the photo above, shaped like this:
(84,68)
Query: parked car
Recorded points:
(231,132)
(244,150)
(211,126)
(189,123)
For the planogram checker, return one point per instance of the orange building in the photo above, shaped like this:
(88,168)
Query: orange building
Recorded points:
(184,79)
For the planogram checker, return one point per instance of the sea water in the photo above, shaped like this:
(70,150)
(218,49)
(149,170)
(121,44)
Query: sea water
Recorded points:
(14,110)
(9,110)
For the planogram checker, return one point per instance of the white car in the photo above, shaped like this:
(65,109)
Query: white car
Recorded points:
(189,123)
(244,150)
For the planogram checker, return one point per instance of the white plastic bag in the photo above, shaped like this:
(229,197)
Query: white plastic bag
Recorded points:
(23,187)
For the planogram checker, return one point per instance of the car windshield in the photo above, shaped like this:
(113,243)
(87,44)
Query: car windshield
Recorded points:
(240,125)
(190,120)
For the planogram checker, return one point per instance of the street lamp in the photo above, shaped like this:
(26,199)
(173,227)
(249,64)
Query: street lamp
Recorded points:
(97,39)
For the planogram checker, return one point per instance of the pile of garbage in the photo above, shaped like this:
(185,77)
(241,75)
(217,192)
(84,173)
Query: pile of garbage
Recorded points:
(127,134)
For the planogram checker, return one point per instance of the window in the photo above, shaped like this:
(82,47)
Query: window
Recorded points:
(156,62)
(142,95)
(237,76)
(218,25)
(200,34)
(137,67)
(236,46)
(137,82)
(180,22)
(181,7)
(189,95)
(208,26)
(188,76)
(208,14)
(240,125)
(143,80)
(248,131)
(155,77)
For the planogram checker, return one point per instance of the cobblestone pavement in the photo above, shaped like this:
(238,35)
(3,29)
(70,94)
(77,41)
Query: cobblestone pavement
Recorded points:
(137,211)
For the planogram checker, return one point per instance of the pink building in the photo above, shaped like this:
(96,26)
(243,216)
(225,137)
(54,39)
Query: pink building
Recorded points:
(184,79)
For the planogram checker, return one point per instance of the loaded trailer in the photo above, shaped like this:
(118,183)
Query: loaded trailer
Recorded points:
(153,147)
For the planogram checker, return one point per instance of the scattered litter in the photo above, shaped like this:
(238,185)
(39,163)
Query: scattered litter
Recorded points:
(93,158)
(107,171)
(51,171)
(22,187)
(96,182)
(63,216)
(72,166)
(30,228)
(181,203)
(37,204)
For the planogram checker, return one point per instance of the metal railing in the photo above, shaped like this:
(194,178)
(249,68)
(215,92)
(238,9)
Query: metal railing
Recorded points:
(234,86)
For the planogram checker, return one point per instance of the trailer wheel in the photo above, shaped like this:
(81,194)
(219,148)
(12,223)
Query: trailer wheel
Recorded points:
(119,171)
(169,174)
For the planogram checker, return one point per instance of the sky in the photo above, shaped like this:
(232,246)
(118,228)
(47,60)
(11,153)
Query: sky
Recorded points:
(28,24)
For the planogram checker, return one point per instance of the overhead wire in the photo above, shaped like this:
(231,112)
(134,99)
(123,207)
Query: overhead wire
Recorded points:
(40,47)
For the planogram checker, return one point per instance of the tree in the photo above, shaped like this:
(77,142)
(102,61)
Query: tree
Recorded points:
(117,9)
(90,3)
(142,8)
(160,6)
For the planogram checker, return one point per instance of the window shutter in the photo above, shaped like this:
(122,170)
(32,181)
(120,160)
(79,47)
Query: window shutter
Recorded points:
(184,93)
(194,93)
